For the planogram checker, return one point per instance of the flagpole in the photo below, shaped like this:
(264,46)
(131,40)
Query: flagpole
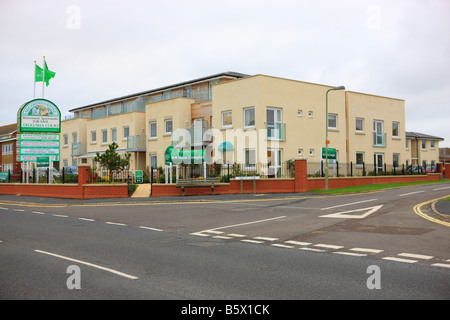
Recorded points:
(43,77)
(34,81)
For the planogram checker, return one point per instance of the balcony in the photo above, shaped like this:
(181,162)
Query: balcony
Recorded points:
(136,143)
(379,139)
(196,135)
(78,149)
(276,131)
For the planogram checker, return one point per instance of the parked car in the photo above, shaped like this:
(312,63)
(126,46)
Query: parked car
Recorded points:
(431,169)
(415,169)
(71,170)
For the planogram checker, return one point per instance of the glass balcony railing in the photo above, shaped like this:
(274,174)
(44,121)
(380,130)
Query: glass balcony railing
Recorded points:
(379,139)
(276,131)
(136,143)
(78,148)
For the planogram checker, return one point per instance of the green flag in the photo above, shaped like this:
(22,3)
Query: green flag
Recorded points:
(38,74)
(48,74)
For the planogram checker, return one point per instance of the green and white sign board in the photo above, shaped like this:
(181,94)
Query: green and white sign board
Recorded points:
(39,115)
(42,161)
(331,153)
(33,145)
(176,156)
(138,176)
(4,176)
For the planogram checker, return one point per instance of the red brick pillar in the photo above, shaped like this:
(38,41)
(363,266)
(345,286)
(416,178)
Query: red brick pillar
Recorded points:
(300,175)
(84,174)
(447,171)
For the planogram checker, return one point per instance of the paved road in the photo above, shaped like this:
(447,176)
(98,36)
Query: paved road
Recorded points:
(257,247)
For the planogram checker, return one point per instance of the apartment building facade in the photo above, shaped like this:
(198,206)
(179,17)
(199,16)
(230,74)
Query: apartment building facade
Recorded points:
(9,160)
(422,149)
(244,119)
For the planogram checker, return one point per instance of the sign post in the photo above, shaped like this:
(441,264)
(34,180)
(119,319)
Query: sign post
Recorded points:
(39,122)
(138,176)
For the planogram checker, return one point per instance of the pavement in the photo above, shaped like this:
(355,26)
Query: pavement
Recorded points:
(442,207)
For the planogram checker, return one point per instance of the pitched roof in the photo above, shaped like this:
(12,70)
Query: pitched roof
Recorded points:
(422,136)
(9,128)
(136,95)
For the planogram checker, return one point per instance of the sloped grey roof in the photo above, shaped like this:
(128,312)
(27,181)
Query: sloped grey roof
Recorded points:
(422,136)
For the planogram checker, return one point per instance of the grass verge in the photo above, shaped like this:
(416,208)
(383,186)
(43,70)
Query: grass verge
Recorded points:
(372,187)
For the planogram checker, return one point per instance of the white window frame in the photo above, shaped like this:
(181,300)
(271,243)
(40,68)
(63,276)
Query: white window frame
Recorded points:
(335,116)
(359,165)
(362,125)
(224,114)
(165,126)
(126,134)
(94,136)
(113,135)
(104,136)
(247,158)
(150,129)
(398,129)
(246,120)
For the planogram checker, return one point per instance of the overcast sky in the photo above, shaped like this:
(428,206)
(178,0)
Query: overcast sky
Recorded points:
(106,49)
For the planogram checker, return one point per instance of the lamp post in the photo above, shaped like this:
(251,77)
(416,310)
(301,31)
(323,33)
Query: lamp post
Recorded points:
(326,135)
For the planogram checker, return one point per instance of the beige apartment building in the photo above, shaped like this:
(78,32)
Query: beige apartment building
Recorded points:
(244,119)
(422,149)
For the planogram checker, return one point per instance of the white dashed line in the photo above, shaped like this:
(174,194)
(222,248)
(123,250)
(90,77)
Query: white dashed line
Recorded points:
(366,250)
(407,194)
(148,228)
(441,188)
(265,238)
(416,256)
(222,237)
(441,265)
(237,235)
(328,246)
(252,241)
(19,210)
(399,259)
(351,254)
(60,215)
(37,212)
(279,245)
(312,249)
(116,223)
(298,243)
(348,204)
(86,219)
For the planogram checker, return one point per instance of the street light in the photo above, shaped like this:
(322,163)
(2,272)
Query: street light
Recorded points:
(326,135)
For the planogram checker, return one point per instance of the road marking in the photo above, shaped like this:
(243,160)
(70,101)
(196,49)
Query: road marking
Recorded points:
(116,223)
(328,246)
(311,249)
(418,211)
(279,245)
(3,208)
(88,264)
(241,224)
(345,214)
(199,234)
(416,256)
(441,265)
(148,228)
(19,210)
(252,241)
(348,204)
(37,212)
(60,215)
(366,250)
(86,219)
(351,254)
(299,243)
(409,193)
(222,237)
(441,188)
(213,231)
(265,238)
(237,235)
(399,259)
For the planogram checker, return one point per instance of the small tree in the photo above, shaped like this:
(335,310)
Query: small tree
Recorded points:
(112,160)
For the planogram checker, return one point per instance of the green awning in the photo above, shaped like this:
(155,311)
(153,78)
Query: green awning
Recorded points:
(226,146)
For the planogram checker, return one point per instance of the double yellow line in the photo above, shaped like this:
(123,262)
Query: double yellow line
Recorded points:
(418,211)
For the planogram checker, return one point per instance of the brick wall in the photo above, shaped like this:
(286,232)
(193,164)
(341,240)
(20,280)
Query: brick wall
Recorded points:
(83,190)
